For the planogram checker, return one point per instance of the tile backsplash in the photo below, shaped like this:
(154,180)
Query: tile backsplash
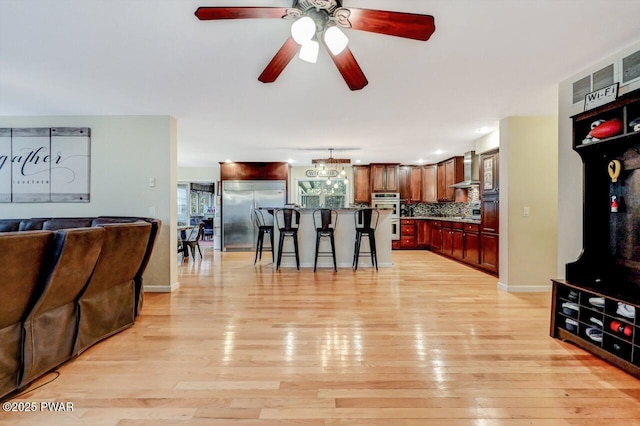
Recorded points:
(444,209)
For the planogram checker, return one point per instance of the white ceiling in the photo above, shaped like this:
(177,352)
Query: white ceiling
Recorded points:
(488,59)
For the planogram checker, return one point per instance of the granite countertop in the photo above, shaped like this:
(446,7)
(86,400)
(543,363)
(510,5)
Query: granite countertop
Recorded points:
(445,218)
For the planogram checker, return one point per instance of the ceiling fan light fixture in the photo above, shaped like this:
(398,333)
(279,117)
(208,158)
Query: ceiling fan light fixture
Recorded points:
(335,39)
(303,30)
(309,51)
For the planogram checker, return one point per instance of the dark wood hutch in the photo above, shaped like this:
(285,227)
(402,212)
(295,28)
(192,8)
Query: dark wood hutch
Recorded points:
(597,306)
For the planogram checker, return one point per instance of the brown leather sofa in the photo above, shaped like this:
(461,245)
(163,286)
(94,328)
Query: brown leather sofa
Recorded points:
(67,283)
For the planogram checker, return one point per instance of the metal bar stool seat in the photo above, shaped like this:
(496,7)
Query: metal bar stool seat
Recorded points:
(265,226)
(325,220)
(288,222)
(366,221)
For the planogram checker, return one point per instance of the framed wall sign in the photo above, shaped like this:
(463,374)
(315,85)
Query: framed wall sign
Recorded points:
(40,165)
(601,97)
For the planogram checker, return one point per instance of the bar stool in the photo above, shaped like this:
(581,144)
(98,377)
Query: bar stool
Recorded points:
(288,221)
(325,220)
(265,226)
(366,222)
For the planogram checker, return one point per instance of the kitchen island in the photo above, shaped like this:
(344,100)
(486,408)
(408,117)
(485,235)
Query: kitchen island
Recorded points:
(345,236)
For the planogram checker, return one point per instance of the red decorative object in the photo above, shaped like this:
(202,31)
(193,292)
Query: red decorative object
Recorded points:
(607,129)
(619,327)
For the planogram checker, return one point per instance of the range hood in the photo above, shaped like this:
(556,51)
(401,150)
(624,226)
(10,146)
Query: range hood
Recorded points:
(471,171)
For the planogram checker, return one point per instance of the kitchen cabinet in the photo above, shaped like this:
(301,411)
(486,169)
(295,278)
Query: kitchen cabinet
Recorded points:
(436,236)
(410,179)
(407,233)
(452,239)
(471,243)
(490,212)
(423,233)
(489,252)
(361,184)
(489,174)
(490,215)
(449,172)
(429,184)
(384,178)
(489,238)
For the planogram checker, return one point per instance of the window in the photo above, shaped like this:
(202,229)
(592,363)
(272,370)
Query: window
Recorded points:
(183,216)
(322,193)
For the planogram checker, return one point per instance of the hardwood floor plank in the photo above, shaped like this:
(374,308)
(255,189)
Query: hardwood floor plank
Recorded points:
(427,341)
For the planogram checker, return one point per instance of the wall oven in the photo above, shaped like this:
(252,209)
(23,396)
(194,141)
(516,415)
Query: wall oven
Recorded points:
(389,201)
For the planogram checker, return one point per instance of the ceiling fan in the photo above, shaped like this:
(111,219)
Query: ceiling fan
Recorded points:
(319,21)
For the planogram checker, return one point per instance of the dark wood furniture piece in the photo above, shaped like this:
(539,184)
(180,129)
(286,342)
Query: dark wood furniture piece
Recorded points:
(410,178)
(595,306)
(489,174)
(471,243)
(407,233)
(490,211)
(449,172)
(254,171)
(361,184)
(429,184)
(423,233)
(384,178)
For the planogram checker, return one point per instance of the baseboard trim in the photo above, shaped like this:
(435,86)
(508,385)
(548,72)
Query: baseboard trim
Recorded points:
(524,288)
(162,288)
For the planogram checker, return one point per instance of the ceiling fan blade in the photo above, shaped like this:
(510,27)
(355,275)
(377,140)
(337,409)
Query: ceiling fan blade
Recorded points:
(349,68)
(279,62)
(211,13)
(399,24)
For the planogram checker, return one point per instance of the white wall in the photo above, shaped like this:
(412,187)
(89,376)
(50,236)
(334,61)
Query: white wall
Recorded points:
(125,152)
(488,142)
(570,183)
(199,174)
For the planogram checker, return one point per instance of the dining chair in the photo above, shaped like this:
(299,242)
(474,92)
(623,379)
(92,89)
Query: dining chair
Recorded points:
(193,240)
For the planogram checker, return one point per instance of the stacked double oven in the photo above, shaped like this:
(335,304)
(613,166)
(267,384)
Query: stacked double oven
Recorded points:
(389,201)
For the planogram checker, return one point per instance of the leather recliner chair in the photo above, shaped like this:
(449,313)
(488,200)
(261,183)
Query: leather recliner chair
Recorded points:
(20,282)
(107,305)
(51,326)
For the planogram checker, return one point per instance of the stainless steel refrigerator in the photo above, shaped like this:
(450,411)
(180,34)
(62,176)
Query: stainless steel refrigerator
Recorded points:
(239,199)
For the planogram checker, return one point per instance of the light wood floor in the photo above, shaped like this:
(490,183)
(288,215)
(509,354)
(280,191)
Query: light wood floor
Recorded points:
(426,342)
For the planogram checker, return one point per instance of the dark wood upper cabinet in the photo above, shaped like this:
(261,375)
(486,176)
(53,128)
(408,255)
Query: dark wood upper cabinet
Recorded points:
(254,171)
(384,178)
(449,172)
(429,186)
(361,184)
(410,178)
(489,174)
